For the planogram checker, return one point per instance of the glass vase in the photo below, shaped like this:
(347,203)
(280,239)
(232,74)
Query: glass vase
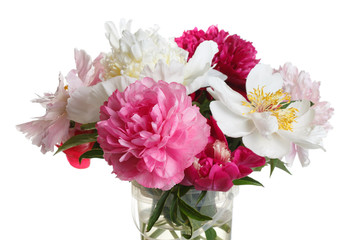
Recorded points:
(217,205)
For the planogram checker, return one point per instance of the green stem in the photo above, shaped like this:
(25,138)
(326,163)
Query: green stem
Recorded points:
(226,228)
(173,233)
(142,229)
(157,233)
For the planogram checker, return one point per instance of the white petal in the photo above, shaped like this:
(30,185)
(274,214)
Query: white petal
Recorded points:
(231,99)
(199,82)
(265,123)
(303,155)
(231,124)
(263,76)
(272,146)
(168,73)
(216,73)
(84,104)
(201,61)
(290,157)
(302,107)
(112,34)
(308,138)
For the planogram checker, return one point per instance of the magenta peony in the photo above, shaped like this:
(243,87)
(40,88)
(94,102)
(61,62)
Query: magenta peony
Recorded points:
(216,167)
(151,133)
(235,59)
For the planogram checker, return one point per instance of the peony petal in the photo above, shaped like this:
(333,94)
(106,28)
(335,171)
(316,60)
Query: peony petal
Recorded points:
(303,155)
(112,33)
(308,138)
(290,157)
(201,61)
(168,73)
(84,104)
(272,146)
(265,123)
(302,107)
(83,64)
(231,124)
(231,99)
(263,76)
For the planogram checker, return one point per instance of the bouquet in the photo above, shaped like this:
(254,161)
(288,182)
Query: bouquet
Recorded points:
(184,119)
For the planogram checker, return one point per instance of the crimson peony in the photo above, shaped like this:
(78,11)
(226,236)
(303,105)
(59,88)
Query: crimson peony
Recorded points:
(235,59)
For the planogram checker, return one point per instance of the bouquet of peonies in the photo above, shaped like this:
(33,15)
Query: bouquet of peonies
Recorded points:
(195,112)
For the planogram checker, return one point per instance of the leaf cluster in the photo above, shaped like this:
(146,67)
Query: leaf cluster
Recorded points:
(95,152)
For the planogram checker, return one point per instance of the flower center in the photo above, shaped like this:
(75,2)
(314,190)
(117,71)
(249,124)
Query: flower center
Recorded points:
(276,103)
(221,152)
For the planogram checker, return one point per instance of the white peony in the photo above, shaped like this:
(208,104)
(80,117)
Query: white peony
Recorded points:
(83,106)
(268,123)
(131,52)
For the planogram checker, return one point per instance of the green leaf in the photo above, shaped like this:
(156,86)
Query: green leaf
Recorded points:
(210,234)
(88,126)
(258,169)
(183,190)
(188,223)
(174,209)
(277,163)
(157,210)
(191,212)
(93,153)
(286,104)
(247,181)
(234,143)
(202,195)
(77,140)
(204,104)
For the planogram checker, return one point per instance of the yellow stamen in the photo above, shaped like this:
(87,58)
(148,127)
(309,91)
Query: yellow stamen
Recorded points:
(66,87)
(272,102)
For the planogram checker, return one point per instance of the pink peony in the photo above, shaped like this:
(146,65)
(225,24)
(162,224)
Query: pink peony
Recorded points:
(216,167)
(235,59)
(151,132)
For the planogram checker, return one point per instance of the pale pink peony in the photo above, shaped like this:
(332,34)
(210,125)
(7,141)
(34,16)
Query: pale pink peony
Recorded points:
(235,59)
(216,167)
(53,128)
(87,72)
(151,132)
(300,87)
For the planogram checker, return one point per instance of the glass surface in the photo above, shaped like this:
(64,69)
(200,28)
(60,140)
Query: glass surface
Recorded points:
(217,205)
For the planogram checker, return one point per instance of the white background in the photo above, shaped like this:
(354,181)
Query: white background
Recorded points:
(43,197)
